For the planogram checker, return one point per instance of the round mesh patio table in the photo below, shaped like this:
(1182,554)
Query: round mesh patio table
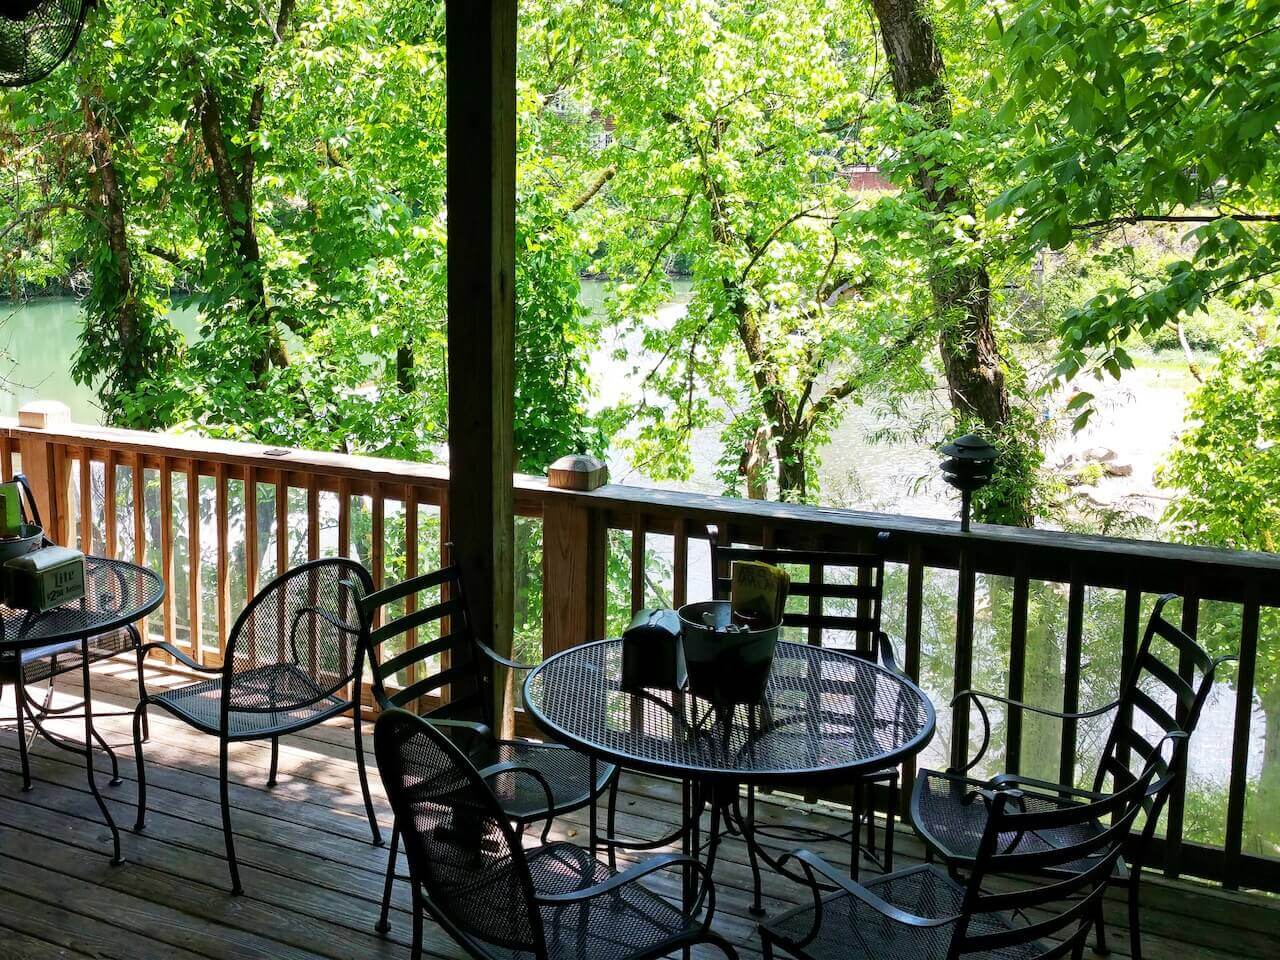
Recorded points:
(101,623)
(826,716)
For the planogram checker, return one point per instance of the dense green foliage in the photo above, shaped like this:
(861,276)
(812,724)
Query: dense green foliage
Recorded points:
(1073,179)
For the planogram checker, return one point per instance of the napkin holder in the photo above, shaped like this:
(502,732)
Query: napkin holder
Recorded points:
(652,652)
(44,579)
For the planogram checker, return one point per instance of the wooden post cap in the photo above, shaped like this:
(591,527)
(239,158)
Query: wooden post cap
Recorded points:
(577,472)
(44,414)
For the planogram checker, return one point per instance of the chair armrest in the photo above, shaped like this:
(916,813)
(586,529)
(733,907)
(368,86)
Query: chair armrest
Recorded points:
(977,696)
(178,655)
(884,652)
(510,766)
(814,865)
(470,730)
(498,658)
(1005,781)
(663,861)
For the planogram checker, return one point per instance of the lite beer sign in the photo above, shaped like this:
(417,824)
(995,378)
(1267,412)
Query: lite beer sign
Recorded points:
(45,578)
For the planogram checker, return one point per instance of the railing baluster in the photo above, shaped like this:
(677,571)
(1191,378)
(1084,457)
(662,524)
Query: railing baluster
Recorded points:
(166,544)
(251,555)
(1241,732)
(637,562)
(344,518)
(140,523)
(222,510)
(411,567)
(282,522)
(111,535)
(313,517)
(680,562)
(1071,680)
(1017,674)
(817,575)
(86,501)
(377,549)
(1178,799)
(911,643)
(194,600)
(1128,653)
(280,499)
(963,662)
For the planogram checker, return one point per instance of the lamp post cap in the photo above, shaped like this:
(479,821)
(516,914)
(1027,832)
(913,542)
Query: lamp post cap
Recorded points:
(970,447)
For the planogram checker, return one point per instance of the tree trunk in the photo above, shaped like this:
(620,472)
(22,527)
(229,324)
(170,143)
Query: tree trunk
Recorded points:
(792,486)
(404,369)
(115,283)
(962,293)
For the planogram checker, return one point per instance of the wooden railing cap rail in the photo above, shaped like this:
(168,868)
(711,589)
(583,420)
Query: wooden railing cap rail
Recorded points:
(1205,572)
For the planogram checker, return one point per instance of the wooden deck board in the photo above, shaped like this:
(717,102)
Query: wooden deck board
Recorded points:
(313,879)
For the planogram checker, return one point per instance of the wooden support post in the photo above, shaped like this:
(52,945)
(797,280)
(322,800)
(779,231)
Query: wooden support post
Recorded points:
(574,552)
(480,138)
(48,473)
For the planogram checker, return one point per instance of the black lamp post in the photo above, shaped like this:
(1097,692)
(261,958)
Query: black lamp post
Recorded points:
(969,465)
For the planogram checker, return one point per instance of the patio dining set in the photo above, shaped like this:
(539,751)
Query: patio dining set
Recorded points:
(1018,867)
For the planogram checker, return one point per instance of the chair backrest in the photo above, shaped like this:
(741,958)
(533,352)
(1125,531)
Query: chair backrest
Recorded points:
(1164,692)
(414,643)
(864,590)
(1058,886)
(298,640)
(463,854)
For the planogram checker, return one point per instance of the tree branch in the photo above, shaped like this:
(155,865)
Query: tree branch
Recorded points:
(1180,218)
(607,174)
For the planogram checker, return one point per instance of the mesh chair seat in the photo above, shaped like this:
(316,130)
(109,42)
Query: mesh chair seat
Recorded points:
(849,929)
(612,926)
(261,689)
(951,819)
(41,663)
(567,772)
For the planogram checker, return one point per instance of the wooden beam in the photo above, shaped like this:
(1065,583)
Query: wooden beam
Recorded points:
(480,79)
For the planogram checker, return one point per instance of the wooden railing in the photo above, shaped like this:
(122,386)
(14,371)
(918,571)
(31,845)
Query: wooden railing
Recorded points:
(113,491)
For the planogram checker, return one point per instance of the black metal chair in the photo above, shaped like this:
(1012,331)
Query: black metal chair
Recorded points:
(872,644)
(471,874)
(47,663)
(574,780)
(1007,909)
(952,825)
(290,658)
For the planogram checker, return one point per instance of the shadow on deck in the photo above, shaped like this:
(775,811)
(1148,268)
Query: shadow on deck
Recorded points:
(313,880)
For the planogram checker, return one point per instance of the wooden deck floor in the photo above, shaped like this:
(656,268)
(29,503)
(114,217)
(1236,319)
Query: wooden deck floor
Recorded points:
(312,878)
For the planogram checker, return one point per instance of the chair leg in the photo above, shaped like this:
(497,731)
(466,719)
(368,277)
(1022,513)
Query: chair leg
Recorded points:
(384,924)
(611,819)
(416,953)
(1135,920)
(364,777)
(726,947)
(767,944)
(139,713)
(275,761)
(224,795)
(142,682)
(855,812)
(890,824)
(1100,930)
(20,689)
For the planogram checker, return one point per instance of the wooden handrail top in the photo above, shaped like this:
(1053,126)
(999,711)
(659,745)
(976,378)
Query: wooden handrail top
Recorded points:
(1209,573)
